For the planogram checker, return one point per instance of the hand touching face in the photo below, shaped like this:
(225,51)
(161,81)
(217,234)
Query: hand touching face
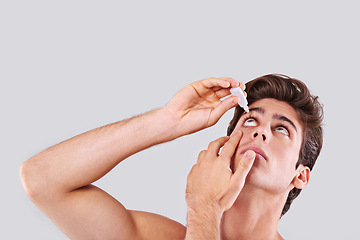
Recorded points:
(211,181)
(274,132)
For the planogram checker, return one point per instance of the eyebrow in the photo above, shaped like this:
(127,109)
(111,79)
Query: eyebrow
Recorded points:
(276,116)
(283,118)
(259,110)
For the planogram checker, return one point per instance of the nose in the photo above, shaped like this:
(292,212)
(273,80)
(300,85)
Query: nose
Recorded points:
(259,134)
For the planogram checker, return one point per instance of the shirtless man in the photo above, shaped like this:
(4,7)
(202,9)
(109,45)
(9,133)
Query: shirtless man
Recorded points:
(238,189)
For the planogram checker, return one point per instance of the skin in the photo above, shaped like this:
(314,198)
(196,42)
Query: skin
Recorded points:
(258,207)
(219,196)
(281,145)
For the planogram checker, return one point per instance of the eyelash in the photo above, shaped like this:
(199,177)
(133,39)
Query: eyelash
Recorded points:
(287,130)
(248,117)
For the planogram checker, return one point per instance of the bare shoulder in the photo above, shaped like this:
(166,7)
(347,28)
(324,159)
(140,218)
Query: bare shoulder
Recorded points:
(154,226)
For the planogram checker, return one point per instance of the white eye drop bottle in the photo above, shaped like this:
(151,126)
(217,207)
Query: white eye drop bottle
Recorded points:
(240,94)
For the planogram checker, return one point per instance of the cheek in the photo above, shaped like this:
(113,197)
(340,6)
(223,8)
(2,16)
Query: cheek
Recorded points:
(286,155)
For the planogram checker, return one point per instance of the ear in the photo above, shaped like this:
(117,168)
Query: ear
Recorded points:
(302,177)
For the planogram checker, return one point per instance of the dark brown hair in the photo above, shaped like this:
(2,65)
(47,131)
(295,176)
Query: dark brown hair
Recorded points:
(310,112)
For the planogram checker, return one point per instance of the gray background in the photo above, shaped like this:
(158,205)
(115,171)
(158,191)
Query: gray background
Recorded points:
(70,66)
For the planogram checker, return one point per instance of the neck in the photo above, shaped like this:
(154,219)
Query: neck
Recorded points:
(254,215)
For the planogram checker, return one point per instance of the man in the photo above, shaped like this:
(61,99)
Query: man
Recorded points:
(238,192)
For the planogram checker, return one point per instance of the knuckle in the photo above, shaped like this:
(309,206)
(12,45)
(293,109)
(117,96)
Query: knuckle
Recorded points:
(202,153)
(201,156)
(212,143)
(192,170)
(245,165)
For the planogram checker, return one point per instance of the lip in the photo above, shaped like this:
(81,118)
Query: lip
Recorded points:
(258,151)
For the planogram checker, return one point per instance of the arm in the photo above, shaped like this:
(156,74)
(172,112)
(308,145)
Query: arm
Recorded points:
(84,159)
(58,179)
(212,187)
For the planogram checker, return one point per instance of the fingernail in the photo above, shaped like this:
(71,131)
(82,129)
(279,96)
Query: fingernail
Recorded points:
(236,101)
(250,154)
(227,84)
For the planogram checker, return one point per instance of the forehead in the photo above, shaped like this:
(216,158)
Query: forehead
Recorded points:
(274,107)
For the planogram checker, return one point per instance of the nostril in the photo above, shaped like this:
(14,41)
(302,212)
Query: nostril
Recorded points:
(255,135)
(264,137)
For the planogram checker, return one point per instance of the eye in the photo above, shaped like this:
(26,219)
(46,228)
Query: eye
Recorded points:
(250,122)
(282,130)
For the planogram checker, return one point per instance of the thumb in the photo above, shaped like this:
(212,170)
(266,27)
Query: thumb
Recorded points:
(222,108)
(245,163)
(238,178)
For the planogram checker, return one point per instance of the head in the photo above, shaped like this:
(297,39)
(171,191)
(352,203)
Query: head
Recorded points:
(285,122)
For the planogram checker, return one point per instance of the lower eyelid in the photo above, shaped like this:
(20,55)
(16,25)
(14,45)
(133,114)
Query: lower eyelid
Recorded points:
(284,129)
(287,133)
(249,124)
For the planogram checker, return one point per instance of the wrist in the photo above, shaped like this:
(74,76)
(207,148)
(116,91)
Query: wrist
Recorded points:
(170,122)
(204,222)
(210,209)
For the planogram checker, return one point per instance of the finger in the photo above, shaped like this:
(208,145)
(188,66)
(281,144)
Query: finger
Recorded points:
(214,146)
(245,164)
(222,108)
(222,92)
(201,156)
(242,86)
(233,82)
(222,83)
(237,180)
(231,145)
(215,82)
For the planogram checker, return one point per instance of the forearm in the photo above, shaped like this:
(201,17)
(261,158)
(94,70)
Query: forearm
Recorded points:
(85,158)
(203,223)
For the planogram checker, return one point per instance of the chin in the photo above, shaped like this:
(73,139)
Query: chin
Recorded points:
(258,179)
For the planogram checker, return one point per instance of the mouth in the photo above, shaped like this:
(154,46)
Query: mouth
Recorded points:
(260,154)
